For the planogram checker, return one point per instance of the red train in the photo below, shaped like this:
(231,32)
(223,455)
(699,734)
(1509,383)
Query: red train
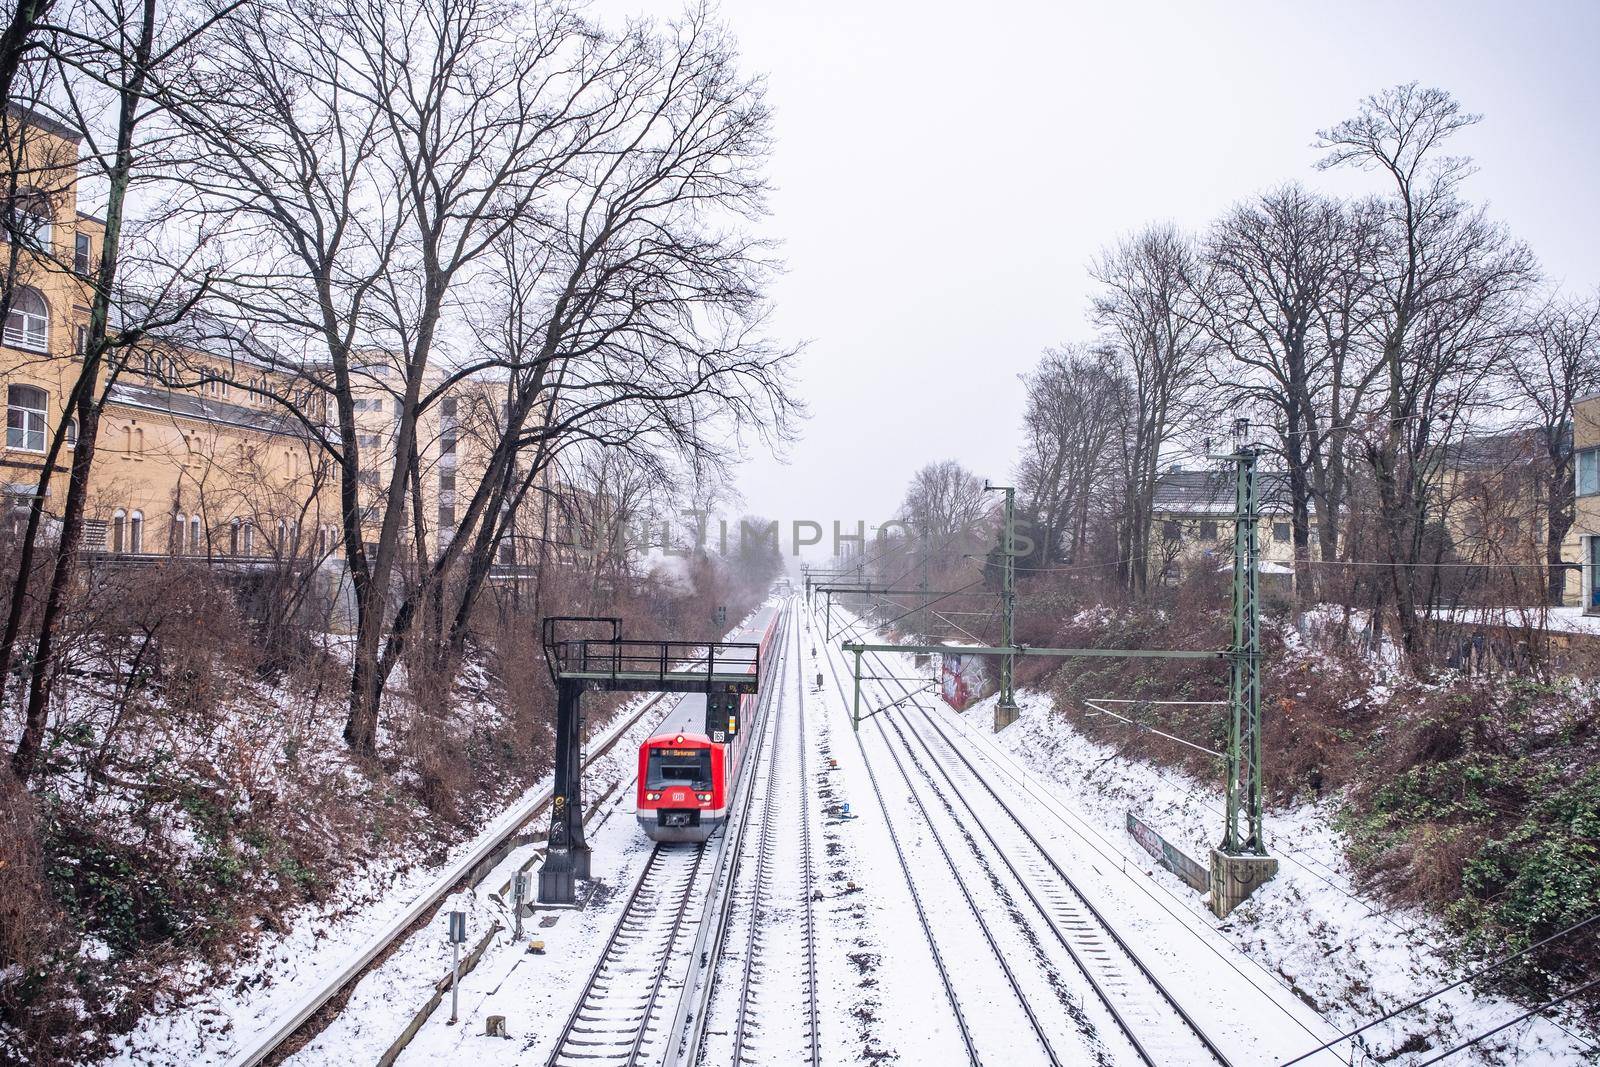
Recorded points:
(687,778)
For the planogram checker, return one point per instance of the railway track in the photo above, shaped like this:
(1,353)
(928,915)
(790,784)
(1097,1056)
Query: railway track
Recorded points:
(297,1024)
(956,1011)
(770,894)
(1011,857)
(615,1019)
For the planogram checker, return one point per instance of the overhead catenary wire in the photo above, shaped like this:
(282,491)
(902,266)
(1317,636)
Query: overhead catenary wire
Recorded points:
(1145,728)
(1471,975)
(1466,978)
(1552,1002)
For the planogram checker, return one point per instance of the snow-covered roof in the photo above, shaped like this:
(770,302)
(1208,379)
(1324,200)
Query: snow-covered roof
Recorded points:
(1181,492)
(184,404)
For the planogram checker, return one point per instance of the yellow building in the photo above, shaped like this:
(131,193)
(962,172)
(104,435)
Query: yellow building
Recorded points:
(1586,530)
(456,436)
(193,456)
(1192,521)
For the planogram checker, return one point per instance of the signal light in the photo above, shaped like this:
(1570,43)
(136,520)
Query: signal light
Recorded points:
(680,739)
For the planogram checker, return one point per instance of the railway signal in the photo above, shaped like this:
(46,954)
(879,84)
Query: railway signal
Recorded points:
(722,671)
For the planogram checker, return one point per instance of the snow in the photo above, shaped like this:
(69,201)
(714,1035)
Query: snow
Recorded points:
(1308,956)
(1309,929)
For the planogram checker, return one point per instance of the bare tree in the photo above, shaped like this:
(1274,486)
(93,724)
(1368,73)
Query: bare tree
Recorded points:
(1557,363)
(946,511)
(1450,284)
(360,160)
(1148,309)
(631,317)
(1077,401)
(105,56)
(1279,266)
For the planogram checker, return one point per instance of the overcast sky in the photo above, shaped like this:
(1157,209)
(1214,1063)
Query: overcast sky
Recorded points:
(945,171)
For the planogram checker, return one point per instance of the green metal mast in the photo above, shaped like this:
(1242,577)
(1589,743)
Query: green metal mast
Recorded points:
(1005,710)
(1244,655)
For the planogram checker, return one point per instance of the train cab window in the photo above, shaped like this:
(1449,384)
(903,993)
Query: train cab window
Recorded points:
(684,767)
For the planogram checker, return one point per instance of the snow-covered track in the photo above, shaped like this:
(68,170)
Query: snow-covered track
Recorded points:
(615,1019)
(807,869)
(911,886)
(494,840)
(753,900)
(780,878)
(1144,1009)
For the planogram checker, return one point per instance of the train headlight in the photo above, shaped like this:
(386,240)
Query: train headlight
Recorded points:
(705,797)
(652,796)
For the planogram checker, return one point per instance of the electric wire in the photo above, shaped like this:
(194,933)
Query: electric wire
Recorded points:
(1568,995)
(1475,973)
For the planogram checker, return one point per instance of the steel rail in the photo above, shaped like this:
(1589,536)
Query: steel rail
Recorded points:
(502,830)
(1072,885)
(614,939)
(808,875)
(688,1023)
(966,894)
(911,887)
(763,847)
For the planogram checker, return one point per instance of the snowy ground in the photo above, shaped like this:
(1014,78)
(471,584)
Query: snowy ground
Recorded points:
(902,832)
(1309,931)
(256,994)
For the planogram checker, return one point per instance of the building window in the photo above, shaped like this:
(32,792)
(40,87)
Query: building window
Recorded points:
(28,322)
(233,538)
(1589,472)
(80,254)
(1172,532)
(249,540)
(175,542)
(447,515)
(27,220)
(1208,530)
(1280,531)
(71,433)
(447,407)
(508,552)
(119,519)
(25,407)
(447,445)
(136,532)
(195,544)
(1591,601)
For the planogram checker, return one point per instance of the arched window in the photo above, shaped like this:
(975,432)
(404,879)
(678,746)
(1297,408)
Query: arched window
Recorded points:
(25,407)
(249,540)
(119,519)
(233,538)
(283,537)
(180,526)
(71,437)
(136,532)
(28,321)
(194,534)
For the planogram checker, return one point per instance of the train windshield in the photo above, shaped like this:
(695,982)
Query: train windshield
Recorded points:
(689,767)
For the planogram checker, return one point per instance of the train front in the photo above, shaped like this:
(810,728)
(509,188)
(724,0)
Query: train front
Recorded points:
(682,791)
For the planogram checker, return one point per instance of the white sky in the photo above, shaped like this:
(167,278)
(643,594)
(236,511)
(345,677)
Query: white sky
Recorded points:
(945,171)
